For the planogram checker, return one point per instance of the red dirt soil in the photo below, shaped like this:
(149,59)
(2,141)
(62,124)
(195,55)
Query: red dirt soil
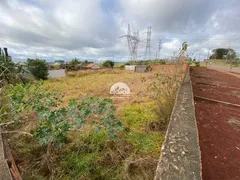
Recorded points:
(218,138)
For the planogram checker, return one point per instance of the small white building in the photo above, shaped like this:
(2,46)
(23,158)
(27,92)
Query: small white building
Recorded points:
(130,67)
(56,73)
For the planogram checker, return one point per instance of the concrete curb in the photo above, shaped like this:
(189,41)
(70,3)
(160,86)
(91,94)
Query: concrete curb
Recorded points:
(5,173)
(180,155)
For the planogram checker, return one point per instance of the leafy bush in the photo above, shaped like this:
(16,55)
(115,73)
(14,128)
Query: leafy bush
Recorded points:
(54,122)
(74,64)
(10,72)
(108,64)
(197,63)
(7,69)
(39,68)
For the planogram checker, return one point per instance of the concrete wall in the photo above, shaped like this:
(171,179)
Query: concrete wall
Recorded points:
(130,67)
(4,169)
(56,73)
(141,69)
(95,67)
(180,154)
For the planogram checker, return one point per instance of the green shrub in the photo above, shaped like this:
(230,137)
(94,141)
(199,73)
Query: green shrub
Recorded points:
(39,68)
(197,63)
(53,126)
(10,72)
(163,90)
(108,64)
(74,64)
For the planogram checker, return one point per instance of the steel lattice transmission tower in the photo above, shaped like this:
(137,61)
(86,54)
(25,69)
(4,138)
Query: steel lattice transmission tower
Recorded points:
(159,47)
(133,41)
(148,44)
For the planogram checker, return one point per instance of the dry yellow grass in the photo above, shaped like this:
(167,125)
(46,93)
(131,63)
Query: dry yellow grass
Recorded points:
(81,83)
(76,86)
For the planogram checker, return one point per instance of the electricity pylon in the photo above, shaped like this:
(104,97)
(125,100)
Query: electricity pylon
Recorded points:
(148,44)
(133,41)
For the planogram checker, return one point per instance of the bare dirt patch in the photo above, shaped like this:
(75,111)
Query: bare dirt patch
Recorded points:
(218,133)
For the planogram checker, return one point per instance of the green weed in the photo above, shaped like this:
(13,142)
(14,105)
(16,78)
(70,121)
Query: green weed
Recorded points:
(147,143)
(136,116)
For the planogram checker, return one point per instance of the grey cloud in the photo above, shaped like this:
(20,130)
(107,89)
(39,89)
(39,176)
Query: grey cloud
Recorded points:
(85,29)
(70,25)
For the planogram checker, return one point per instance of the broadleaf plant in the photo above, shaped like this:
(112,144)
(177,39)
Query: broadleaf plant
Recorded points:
(54,122)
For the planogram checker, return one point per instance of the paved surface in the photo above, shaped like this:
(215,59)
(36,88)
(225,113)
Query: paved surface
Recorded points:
(218,124)
(180,155)
(226,69)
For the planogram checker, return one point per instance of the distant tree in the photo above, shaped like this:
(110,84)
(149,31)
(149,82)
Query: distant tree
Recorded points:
(231,54)
(74,62)
(38,68)
(223,53)
(60,61)
(108,64)
(12,73)
(60,64)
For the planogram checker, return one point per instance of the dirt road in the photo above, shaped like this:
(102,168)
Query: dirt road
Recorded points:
(235,70)
(218,124)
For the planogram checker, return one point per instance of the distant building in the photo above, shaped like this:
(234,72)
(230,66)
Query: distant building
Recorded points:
(130,67)
(93,66)
(56,73)
(142,68)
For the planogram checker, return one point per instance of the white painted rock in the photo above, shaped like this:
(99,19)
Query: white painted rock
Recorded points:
(120,89)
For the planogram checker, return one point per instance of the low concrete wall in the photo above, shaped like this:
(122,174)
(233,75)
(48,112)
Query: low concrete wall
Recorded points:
(5,173)
(130,67)
(56,73)
(8,168)
(180,156)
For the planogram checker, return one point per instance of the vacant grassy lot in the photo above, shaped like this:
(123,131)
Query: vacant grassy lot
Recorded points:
(78,85)
(92,155)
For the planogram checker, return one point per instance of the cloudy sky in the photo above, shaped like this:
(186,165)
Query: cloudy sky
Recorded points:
(90,29)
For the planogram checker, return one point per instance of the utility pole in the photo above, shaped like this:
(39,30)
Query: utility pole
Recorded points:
(229,54)
(207,60)
(208,53)
(148,44)
(193,50)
